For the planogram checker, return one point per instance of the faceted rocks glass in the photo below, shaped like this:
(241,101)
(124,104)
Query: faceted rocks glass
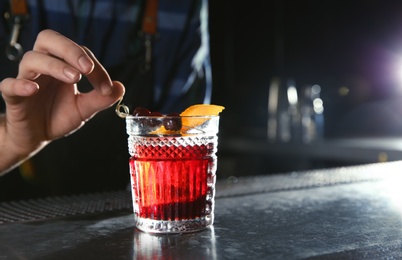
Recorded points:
(173,173)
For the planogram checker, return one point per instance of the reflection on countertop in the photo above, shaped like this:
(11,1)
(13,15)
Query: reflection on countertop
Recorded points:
(344,213)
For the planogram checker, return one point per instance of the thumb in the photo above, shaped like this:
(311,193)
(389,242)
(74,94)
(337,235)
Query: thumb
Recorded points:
(92,102)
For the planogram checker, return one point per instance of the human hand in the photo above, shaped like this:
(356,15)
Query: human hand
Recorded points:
(43,103)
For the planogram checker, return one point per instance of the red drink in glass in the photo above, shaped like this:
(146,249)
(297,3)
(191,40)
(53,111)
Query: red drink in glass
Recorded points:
(173,180)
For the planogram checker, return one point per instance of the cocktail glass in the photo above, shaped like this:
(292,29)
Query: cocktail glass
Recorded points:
(173,172)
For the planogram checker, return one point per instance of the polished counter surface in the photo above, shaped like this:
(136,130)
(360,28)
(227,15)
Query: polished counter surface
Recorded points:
(353,150)
(342,213)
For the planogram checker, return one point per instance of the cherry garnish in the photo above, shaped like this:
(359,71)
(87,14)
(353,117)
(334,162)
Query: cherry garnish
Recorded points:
(154,122)
(172,122)
(141,111)
(155,114)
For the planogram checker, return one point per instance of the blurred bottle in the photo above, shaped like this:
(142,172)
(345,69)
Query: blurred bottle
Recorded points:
(312,114)
(293,110)
(272,121)
(283,112)
(273,100)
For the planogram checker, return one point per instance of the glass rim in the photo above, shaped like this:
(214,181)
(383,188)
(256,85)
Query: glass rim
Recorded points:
(169,116)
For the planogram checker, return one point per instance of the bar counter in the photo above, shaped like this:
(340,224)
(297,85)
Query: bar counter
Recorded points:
(341,213)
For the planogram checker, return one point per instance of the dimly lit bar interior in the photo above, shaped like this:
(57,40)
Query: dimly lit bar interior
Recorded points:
(350,51)
(309,150)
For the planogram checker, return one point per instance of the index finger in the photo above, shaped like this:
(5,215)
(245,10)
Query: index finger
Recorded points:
(99,78)
(59,46)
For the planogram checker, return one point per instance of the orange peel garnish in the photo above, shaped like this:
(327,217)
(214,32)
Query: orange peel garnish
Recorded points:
(202,110)
(189,117)
(199,110)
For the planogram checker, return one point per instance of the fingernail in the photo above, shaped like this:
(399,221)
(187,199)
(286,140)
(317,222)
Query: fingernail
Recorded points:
(70,73)
(85,63)
(106,89)
(30,88)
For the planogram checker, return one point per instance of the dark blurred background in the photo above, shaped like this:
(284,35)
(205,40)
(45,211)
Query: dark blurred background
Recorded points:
(351,49)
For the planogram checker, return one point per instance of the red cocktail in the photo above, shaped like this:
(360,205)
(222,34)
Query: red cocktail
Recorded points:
(172,175)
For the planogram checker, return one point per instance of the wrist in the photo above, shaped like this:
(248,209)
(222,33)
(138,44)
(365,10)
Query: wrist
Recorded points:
(11,153)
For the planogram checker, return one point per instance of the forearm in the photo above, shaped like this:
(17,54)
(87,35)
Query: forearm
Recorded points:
(10,157)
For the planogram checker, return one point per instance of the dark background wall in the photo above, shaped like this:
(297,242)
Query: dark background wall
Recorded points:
(350,48)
